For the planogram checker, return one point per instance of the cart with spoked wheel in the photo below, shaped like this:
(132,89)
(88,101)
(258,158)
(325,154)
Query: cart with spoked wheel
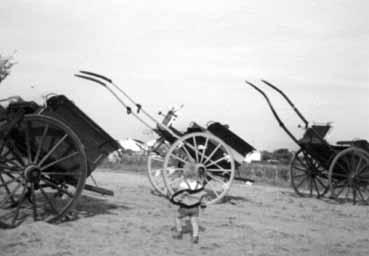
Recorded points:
(319,167)
(214,150)
(46,154)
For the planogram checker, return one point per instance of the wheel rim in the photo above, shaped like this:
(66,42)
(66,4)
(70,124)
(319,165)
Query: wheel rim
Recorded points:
(42,171)
(349,176)
(212,158)
(155,166)
(308,176)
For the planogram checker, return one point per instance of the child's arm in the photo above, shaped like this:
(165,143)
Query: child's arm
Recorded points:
(202,202)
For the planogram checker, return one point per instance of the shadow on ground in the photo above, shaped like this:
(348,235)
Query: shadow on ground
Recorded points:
(89,206)
(233,199)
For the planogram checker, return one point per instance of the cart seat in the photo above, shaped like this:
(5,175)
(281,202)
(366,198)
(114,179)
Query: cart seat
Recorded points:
(315,134)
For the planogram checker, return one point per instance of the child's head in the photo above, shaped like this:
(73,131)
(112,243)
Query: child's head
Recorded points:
(190,171)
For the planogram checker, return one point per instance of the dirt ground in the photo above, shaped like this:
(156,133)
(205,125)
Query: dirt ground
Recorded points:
(253,220)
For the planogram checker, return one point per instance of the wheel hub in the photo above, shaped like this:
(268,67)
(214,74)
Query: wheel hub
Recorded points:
(32,174)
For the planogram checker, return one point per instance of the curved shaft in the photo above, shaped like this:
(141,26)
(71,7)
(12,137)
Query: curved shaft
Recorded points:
(139,107)
(86,75)
(281,124)
(289,102)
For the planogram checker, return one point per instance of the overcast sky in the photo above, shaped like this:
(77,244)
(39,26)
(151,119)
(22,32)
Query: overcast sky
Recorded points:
(197,53)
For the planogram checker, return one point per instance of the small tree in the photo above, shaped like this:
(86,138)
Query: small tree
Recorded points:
(6,63)
(283,155)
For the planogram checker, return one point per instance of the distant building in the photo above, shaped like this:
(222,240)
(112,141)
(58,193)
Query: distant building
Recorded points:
(253,156)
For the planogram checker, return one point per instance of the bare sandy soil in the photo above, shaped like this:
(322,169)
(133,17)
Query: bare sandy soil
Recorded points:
(253,220)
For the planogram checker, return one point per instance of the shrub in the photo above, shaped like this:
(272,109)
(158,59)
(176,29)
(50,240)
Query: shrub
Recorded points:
(6,63)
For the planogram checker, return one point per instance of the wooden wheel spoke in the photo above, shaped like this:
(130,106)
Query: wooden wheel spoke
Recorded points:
(15,152)
(349,189)
(52,184)
(215,178)
(13,162)
(49,201)
(212,188)
(11,168)
(178,158)
(174,173)
(321,182)
(302,181)
(196,149)
(204,150)
(302,162)
(316,187)
(342,175)
(5,185)
(42,168)
(53,149)
(361,195)
(3,202)
(212,153)
(358,166)
(299,175)
(341,190)
(187,153)
(300,169)
(347,163)
(224,158)
(41,143)
(361,170)
(19,204)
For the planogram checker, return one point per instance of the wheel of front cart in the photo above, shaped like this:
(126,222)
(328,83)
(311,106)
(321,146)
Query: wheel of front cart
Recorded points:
(155,165)
(349,176)
(43,170)
(308,177)
(212,159)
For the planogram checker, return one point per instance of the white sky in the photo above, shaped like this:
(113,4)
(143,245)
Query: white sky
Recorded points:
(197,53)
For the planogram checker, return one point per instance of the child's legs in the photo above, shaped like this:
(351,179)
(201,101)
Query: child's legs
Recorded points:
(195,226)
(178,224)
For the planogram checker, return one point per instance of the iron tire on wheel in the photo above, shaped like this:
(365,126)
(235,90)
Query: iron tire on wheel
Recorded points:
(155,165)
(43,168)
(308,177)
(349,176)
(213,159)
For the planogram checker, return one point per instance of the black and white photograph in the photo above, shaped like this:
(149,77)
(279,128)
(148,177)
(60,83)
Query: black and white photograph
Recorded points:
(167,127)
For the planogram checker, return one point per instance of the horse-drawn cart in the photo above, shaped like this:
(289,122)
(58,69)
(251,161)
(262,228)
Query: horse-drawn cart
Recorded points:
(215,150)
(46,154)
(318,167)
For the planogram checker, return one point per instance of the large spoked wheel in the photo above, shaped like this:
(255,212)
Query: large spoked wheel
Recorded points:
(155,166)
(308,176)
(212,159)
(43,170)
(349,176)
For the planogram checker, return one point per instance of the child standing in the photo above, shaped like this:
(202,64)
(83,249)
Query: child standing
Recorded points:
(191,181)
